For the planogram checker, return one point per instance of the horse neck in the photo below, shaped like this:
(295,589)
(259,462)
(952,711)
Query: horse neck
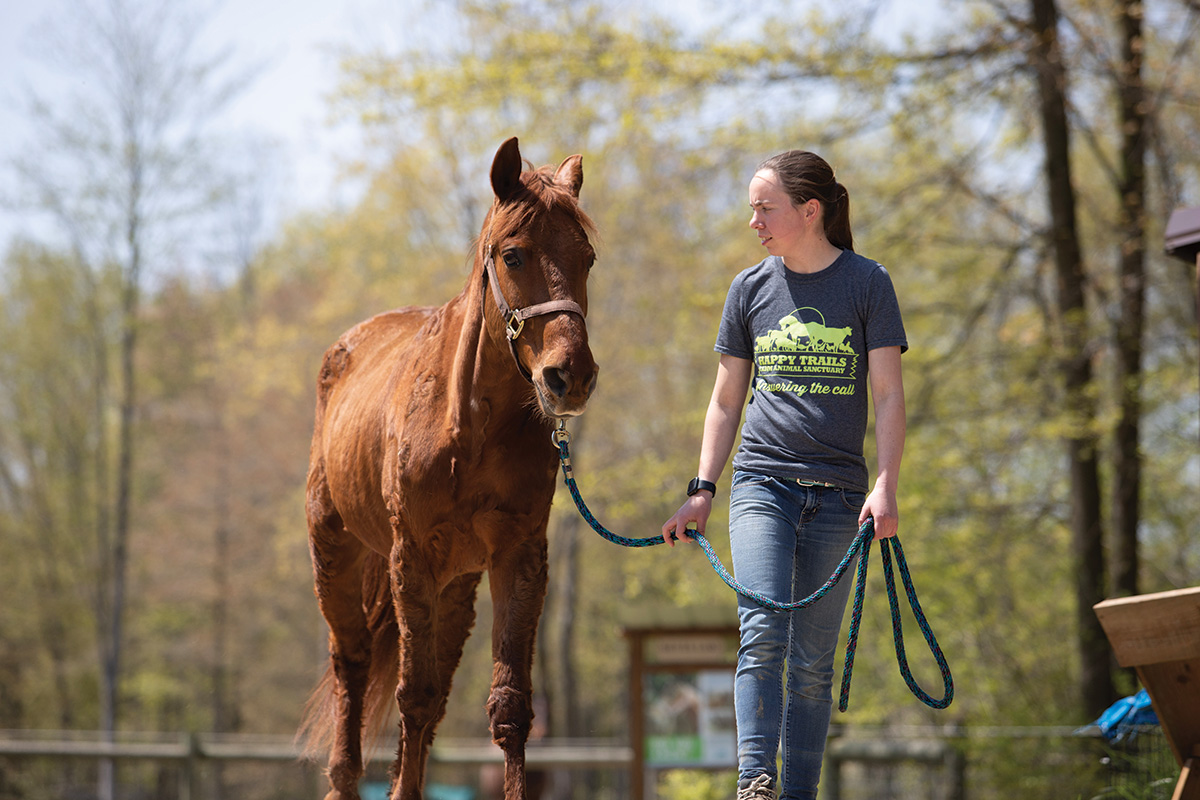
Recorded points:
(483,375)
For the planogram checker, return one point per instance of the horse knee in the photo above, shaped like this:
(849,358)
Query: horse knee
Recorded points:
(511,714)
(350,664)
(418,705)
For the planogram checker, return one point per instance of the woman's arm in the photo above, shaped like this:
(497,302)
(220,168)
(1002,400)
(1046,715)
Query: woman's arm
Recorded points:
(887,390)
(720,432)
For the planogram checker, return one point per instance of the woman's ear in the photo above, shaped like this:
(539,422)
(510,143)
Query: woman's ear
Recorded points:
(812,210)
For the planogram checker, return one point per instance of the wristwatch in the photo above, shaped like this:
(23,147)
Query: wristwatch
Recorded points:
(699,483)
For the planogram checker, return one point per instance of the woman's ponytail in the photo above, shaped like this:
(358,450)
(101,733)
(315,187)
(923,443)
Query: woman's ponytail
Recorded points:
(804,175)
(837,219)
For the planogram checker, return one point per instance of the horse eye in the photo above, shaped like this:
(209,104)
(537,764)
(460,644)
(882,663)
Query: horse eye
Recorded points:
(512,259)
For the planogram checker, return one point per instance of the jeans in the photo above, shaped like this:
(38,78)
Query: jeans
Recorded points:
(786,540)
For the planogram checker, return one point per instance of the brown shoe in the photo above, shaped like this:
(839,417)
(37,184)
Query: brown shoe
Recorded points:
(759,789)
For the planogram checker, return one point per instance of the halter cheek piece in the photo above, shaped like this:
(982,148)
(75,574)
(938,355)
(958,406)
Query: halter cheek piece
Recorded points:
(514,319)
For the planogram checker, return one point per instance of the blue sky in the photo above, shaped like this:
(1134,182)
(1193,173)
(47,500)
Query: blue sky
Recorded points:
(295,42)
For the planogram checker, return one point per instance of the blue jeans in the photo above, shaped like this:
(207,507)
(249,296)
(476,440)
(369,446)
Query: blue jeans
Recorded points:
(786,540)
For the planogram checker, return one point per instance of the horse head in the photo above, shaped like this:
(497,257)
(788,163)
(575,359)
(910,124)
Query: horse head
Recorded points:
(537,257)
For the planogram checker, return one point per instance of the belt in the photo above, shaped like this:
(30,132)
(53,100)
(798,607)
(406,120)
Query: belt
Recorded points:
(822,484)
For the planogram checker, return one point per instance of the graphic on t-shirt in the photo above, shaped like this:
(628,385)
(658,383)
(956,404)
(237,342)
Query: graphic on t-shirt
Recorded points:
(805,356)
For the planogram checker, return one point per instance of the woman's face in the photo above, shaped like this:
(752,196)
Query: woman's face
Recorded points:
(781,226)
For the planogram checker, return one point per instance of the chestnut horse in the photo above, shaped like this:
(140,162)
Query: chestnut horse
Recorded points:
(431,462)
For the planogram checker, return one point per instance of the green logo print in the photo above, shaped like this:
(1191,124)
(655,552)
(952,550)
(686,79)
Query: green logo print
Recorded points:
(805,356)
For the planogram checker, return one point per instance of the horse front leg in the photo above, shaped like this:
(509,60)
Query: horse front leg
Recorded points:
(518,584)
(419,696)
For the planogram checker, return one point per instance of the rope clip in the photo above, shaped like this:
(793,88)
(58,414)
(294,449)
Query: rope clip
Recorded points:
(561,435)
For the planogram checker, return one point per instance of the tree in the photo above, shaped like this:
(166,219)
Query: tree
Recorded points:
(48,485)
(124,168)
(1133,116)
(1081,435)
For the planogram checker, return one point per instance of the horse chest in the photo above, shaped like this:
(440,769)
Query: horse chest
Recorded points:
(453,477)
(480,498)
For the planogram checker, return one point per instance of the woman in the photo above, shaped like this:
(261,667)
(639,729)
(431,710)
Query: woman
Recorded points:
(810,326)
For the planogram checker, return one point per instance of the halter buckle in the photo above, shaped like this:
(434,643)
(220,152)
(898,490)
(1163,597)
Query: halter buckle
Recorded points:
(514,326)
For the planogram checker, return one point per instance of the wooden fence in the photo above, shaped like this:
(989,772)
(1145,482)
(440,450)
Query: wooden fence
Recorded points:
(916,763)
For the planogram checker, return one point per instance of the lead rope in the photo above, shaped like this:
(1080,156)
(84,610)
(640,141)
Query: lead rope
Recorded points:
(860,546)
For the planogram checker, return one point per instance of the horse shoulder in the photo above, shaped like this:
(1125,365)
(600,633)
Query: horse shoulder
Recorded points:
(351,435)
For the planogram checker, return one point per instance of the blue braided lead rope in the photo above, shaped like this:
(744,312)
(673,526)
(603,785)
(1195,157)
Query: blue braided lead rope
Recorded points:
(926,630)
(861,546)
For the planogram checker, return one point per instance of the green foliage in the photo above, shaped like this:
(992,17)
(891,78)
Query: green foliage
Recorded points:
(52,474)
(680,784)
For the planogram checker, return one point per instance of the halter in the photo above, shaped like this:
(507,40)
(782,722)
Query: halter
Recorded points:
(514,319)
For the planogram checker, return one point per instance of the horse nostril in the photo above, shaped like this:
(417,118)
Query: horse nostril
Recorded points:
(556,380)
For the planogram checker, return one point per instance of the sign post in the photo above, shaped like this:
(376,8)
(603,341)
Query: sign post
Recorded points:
(681,701)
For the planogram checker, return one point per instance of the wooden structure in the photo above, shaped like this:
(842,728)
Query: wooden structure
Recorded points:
(1182,236)
(1159,636)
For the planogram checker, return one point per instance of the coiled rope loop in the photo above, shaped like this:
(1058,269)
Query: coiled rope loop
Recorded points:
(860,547)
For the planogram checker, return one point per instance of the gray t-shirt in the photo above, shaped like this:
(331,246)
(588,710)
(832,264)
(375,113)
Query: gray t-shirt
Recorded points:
(809,336)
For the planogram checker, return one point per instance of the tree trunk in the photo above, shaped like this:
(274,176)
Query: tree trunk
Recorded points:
(1127,469)
(131,288)
(1082,441)
(224,715)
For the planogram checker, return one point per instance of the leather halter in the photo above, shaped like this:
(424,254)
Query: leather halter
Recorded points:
(514,319)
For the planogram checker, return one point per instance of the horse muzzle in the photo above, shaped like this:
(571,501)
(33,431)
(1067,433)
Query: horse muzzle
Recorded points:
(564,391)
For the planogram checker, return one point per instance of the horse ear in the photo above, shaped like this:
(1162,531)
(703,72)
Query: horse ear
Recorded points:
(506,170)
(570,174)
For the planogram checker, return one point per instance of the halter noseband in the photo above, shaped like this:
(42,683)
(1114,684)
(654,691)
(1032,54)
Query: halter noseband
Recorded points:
(514,319)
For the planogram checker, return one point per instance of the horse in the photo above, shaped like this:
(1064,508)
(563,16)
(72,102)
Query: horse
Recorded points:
(432,461)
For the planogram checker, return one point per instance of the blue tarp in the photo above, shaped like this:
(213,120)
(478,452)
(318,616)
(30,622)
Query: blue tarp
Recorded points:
(433,791)
(1123,717)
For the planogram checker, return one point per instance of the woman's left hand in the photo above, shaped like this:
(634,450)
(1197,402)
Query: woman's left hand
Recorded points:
(881,506)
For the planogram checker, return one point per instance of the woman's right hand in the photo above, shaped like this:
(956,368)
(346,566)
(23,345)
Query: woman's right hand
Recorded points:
(694,510)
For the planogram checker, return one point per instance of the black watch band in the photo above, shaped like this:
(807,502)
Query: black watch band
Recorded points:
(698,483)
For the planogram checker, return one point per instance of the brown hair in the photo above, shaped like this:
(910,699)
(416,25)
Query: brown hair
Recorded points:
(804,176)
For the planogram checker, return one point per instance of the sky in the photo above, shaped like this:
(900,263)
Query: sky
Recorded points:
(293,43)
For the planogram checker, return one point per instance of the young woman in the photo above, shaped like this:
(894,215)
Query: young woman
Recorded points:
(808,328)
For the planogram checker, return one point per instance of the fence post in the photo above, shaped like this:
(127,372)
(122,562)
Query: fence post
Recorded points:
(956,761)
(187,767)
(832,785)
